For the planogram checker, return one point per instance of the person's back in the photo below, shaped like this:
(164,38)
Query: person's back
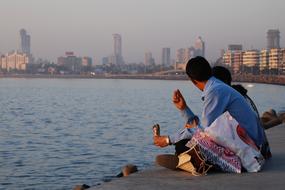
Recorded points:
(219,97)
(224,74)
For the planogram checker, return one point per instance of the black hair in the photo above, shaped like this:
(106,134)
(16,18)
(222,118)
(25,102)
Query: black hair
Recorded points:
(240,89)
(243,92)
(199,69)
(223,74)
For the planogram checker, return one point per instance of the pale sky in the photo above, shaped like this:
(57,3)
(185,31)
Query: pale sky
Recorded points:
(86,26)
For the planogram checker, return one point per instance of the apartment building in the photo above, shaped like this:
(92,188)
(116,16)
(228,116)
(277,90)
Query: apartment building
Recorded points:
(14,61)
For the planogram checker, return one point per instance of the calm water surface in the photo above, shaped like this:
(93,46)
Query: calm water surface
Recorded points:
(56,133)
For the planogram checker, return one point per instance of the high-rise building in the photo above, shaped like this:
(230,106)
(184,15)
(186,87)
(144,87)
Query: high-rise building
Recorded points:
(188,54)
(165,57)
(180,55)
(70,62)
(183,55)
(235,47)
(148,59)
(233,57)
(199,47)
(25,42)
(273,39)
(118,58)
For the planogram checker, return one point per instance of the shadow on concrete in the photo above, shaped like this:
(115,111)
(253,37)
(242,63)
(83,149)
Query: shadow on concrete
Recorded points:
(276,163)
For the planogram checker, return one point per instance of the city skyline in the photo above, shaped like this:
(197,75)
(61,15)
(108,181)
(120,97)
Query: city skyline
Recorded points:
(155,25)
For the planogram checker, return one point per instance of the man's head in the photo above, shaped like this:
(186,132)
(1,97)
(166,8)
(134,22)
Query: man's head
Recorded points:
(223,74)
(199,71)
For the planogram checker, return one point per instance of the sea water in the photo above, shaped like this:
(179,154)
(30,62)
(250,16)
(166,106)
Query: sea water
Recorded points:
(56,133)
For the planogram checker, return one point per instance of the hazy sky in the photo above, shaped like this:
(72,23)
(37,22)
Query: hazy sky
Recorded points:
(86,26)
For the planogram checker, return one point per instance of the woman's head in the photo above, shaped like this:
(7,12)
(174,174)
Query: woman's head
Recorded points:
(223,74)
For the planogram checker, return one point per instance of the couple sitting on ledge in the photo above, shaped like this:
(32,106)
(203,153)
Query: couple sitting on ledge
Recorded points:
(230,135)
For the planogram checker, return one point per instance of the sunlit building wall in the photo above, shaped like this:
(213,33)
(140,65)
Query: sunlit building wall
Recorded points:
(14,61)
(180,55)
(183,55)
(180,66)
(264,61)
(274,59)
(233,57)
(2,60)
(233,60)
(283,61)
(227,58)
(237,61)
(251,58)
(188,54)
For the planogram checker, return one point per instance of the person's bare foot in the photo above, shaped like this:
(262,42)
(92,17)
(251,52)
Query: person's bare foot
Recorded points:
(268,116)
(169,161)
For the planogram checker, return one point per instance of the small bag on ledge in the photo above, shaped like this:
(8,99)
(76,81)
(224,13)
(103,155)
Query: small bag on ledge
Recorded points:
(194,162)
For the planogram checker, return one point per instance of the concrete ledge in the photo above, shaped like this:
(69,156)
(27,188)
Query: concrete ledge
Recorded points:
(156,178)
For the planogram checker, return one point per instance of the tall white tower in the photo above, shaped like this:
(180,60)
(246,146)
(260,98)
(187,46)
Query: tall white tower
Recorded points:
(199,47)
(165,57)
(118,58)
